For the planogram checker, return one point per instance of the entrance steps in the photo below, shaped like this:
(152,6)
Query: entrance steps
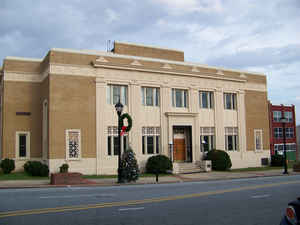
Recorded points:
(179,168)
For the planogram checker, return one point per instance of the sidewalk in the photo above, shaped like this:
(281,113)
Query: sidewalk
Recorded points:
(209,176)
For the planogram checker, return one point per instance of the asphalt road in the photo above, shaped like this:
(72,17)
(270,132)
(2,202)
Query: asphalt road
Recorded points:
(243,201)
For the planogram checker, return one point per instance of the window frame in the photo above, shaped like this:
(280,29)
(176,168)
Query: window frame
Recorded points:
(154,133)
(113,136)
(155,96)
(123,90)
(277,115)
(184,98)
(289,116)
(289,132)
(208,132)
(278,132)
(258,133)
(232,132)
(17,144)
(209,99)
(232,104)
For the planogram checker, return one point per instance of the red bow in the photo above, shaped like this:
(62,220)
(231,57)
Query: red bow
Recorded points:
(123,131)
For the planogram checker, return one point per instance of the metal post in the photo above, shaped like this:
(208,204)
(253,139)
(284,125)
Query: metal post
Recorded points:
(120,180)
(284,148)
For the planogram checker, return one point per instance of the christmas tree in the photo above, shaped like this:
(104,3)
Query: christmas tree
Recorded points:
(129,166)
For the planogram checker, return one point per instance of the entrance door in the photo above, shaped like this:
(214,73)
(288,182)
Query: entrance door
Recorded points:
(179,149)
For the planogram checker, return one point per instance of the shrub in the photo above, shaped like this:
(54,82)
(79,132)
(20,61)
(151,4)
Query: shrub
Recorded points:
(277,160)
(7,165)
(159,164)
(220,160)
(36,168)
(64,168)
(129,166)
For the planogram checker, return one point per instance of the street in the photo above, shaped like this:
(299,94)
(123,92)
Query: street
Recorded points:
(239,201)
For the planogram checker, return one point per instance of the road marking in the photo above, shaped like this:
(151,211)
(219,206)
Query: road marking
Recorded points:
(260,196)
(128,209)
(77,196)
(136,202)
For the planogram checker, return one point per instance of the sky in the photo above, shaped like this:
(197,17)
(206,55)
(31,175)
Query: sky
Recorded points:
(253,35)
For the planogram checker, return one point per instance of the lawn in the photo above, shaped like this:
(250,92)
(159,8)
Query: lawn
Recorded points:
(19,176)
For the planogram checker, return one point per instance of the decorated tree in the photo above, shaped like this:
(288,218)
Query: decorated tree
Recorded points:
(129,166)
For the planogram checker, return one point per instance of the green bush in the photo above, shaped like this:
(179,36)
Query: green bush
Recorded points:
(36,168)
(158,164)
(64,168)
(220,160)
(129,166)
(277,160)
(7,165)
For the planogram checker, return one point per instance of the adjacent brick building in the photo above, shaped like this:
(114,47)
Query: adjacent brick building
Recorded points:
(60,109)
(276,130)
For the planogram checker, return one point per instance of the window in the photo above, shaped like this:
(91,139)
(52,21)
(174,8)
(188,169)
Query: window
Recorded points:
(230,101)
(258,140)
(206,99)
(276,116)
(289,132)
(231,138)
(278,132)
(45,129)
(179,98)
(73,144)
(279,148)
(116,92)
(150,96)
(207,138)
(23,144)
(150,140)
(113,141)
(289,116)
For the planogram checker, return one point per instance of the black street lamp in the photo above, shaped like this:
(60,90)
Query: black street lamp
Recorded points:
(283,120)
(119,109)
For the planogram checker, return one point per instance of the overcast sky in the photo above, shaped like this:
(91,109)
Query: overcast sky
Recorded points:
(254,35)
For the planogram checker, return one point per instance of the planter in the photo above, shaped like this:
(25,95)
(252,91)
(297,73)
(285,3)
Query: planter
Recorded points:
(296,167)
(68,179)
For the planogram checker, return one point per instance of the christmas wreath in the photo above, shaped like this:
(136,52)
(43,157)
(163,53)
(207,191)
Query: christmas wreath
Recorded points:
(129,121)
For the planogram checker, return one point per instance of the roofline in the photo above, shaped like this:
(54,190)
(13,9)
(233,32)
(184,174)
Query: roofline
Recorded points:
(23,59)
(110,54)
(147,46)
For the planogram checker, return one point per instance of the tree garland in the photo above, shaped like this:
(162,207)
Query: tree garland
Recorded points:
(129,120)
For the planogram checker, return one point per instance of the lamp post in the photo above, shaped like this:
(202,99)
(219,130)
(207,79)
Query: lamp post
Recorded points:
(283,120)
(119,109)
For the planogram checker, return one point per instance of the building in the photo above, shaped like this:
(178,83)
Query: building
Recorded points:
(298,141)
(60,109)
(276,112)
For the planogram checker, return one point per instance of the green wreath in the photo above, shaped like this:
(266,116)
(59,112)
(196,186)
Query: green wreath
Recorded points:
(129,120)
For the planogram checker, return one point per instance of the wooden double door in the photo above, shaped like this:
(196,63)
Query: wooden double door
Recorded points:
(179,149)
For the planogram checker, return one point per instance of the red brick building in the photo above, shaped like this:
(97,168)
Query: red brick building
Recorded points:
(276,130)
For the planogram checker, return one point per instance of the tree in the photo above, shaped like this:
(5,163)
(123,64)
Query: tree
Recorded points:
(129,166)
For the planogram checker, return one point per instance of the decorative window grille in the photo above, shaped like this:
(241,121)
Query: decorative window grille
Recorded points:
(258,140)
(73,144)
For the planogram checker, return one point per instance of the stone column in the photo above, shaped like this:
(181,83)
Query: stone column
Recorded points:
(241,121)
(219,119)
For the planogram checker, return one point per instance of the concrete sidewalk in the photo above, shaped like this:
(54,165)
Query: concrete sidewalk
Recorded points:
(151,180)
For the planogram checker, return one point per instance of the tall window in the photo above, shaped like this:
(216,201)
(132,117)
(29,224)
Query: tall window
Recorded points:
(73,144)
(45,129)
(289,132)
(206,99)
(230,101)
(150,140)
(258,140)
(231,138)
(289,116)
(207,138)
(179,98)
(116,92)
(150,96)
(22,144)
(278,132)
(276,116)
(113,141)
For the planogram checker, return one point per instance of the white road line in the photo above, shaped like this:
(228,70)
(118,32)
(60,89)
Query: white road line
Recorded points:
(79,196)
(260,196)
(127,209)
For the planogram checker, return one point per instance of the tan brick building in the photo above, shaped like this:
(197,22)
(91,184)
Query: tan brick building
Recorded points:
(60,109)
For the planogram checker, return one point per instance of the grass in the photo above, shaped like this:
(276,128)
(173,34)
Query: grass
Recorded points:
(19,176)
(249,169)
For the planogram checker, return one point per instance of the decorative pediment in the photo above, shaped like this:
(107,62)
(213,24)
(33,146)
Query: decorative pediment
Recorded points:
(101,59)
(195,69)
(167,66)
(220,72)
(135,63)
(243,75)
